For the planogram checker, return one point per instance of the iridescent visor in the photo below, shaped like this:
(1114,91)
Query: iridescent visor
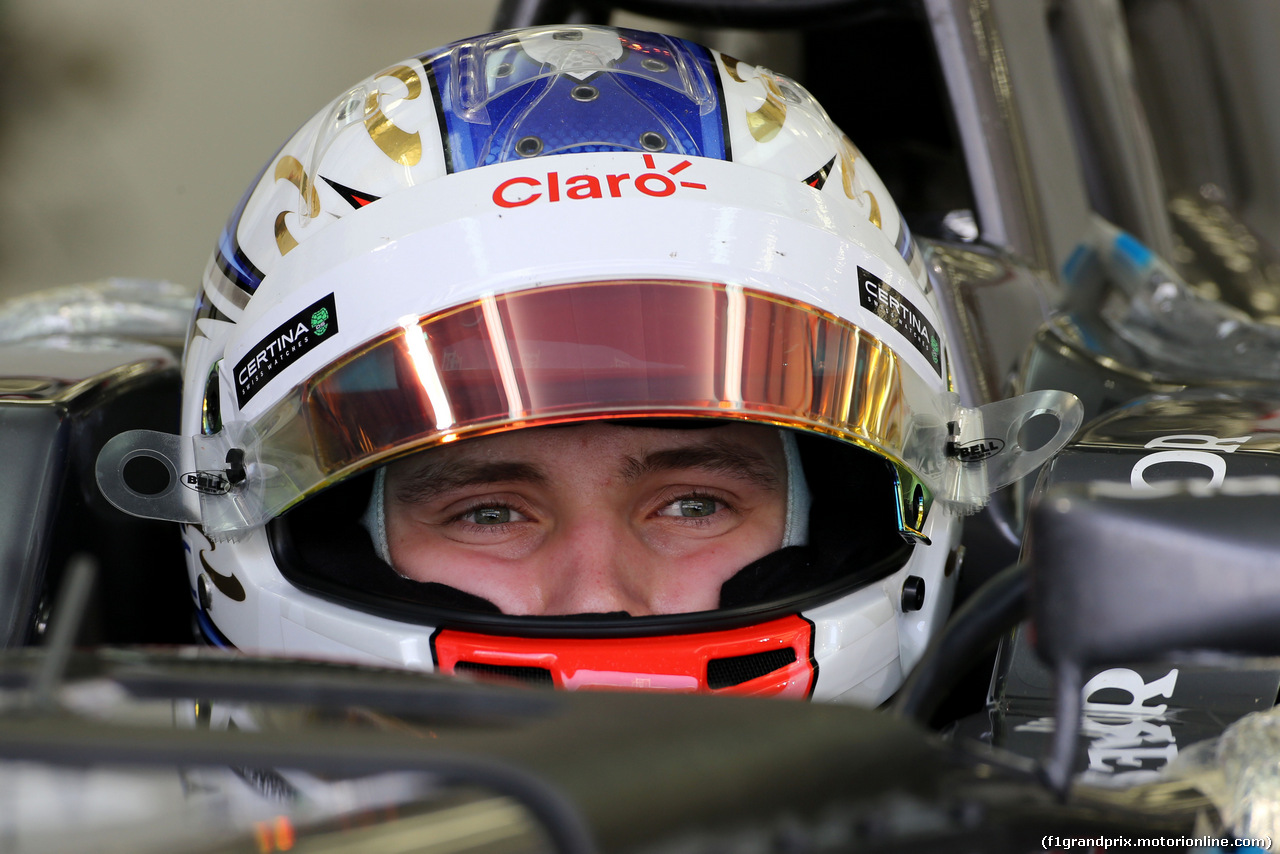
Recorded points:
(574,352)
(623,348)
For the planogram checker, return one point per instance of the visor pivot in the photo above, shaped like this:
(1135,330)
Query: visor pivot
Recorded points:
(953,434)
(236,473)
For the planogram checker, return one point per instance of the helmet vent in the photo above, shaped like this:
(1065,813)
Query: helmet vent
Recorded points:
(529,146)
(727,672)
(651,140)
(537,676)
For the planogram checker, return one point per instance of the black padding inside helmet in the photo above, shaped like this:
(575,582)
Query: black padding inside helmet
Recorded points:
(321,546)
(782,574)
(853,529)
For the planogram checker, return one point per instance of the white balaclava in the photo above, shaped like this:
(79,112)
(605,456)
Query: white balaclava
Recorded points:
(796,532)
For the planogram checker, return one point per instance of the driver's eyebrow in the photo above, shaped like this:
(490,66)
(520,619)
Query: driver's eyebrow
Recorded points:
(737,461)
(434,479)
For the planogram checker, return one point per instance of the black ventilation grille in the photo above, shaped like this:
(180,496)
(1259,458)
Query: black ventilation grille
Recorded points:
(727,672)
(537,676)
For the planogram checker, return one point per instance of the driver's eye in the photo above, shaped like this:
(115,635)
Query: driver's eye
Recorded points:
(491,515)
(691,507)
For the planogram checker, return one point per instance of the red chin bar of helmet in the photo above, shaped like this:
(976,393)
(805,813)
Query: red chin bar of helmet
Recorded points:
(772,659)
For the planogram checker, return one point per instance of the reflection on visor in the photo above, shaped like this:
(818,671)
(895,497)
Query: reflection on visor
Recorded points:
(602,350)
(556,354)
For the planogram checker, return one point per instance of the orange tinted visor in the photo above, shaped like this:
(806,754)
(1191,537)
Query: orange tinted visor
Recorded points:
(577,352)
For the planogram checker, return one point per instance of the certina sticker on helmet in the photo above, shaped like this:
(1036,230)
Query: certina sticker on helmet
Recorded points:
(290,341)
(893,308)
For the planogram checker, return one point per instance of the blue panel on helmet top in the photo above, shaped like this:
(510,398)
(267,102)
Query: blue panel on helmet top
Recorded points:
(638,103)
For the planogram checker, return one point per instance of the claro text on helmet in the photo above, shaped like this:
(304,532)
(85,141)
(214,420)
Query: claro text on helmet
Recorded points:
(525,190)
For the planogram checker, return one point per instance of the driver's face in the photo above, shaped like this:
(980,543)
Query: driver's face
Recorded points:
(590,518)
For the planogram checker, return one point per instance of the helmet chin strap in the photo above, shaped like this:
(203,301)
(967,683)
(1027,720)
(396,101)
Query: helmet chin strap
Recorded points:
(796,532)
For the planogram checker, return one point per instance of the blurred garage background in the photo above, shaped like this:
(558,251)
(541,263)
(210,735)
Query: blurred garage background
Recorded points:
(130,128)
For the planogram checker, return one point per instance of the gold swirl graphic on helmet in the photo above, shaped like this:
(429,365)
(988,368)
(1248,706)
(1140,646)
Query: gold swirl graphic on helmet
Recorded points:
(765,122)
(848,154)
(285,241)
(229,585)
(401,146)
(290,169)
(731,67)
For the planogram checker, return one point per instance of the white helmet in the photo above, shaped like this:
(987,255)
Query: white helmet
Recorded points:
(561,225)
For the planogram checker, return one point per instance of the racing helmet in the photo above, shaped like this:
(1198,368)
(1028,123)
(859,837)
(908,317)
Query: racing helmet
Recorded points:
(562,226)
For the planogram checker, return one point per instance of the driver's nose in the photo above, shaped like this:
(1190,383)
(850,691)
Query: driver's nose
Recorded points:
(596,566)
